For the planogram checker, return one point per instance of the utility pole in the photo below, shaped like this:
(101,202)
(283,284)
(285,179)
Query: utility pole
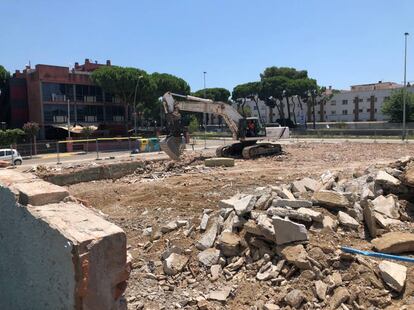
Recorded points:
(205,113)
(405,89)
(135,106)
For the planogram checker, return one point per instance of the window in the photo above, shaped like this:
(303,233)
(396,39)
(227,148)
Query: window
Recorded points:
(57,92)
(333,102)
(344,102)
(344,112)
(58,113)
(114,113)
(368,110)
(361,110)
(375,110)
(386,98)
(1,153)
(333,112)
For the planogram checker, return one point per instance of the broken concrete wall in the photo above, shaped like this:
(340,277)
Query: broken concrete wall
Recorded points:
(59,255)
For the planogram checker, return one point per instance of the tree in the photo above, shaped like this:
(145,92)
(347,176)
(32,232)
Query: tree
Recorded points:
(131,85)
(87,131)
(168,82)
(4,77)
(10,136)
(193,126)
(290,73)
(4,92)
(393,107)
(32,129)
(215,94)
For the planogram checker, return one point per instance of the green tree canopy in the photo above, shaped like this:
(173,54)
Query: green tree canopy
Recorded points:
(216,94)
(168,82)
(245,90)
(10,136)
(31,129)
(393,107)
(290,73)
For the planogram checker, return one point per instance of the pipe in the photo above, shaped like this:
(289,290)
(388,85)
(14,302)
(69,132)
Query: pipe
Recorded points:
(376,254)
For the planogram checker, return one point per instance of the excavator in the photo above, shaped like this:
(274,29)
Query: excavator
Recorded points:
(249,131)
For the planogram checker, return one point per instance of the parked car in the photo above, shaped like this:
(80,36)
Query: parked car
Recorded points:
(8,154)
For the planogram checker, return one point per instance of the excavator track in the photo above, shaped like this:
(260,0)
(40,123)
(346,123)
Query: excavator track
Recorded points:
(261,149)
(232,150)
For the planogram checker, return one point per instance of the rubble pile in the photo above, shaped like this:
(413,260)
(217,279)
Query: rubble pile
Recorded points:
(287,237)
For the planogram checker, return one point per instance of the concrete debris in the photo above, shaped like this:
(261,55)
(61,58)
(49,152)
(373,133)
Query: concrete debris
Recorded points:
(270,307)
(219,295)
(340,296)
(297,256)
(287,231)
(204,222)
(320,289)
(393,274)
(292,214)
(219,161)
(295,298)
(174,264)
(314,215)
(229,244)
(395,243)
(209,257)
(291,203)
(387,180)
(370,221)
(386,206)
(244,205)
(169,227)
(329,223)
(207,239)
(331,199)
(347,221)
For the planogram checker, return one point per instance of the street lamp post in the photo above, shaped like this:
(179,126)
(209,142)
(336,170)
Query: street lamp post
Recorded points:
(205,113)
(404,89)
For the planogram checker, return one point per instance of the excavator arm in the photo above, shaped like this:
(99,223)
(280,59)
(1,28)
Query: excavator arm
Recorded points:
(172,144)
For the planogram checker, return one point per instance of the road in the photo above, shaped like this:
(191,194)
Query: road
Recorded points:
(73,158)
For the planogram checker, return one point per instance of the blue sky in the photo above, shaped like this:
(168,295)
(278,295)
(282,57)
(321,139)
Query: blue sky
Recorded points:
(339,42)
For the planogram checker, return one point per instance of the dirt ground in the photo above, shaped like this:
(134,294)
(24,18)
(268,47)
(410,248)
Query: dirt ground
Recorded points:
(135,203)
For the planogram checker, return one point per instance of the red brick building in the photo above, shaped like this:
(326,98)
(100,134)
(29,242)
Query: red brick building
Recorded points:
(42,94)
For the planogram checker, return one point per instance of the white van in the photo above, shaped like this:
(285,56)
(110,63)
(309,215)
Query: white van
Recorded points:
(8,154)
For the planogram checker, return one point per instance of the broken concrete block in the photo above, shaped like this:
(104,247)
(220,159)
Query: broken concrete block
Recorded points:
(384,221)
(220,295)
(207,239)
(269,306)
(170,250)
(295,204)
(347,220)
(311,184)
(287,231)
(387,180)
(209,257)
(314,215)
(329,223)
(229,203)
(298,186)
(229,244)
(320,289)
(38,193)
(330,199)
(204,222)
(263,202)
(394,243)
(393,274)
(284,193)
(215,271)
(297,256)
(266,227)
(169,227)
(295,298)
(370,221)
(408,176)
(174,264)
(387,206)
(50,252)
(340,296)
(291,214)
(219,161)
(244,205)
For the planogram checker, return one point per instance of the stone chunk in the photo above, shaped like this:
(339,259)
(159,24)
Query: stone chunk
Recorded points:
(215,271)
(329,223)
(297,256)
(292,214)
(266,227)
(220,295)
(311,184)
(244,205)
(174,264)
(340,296)
(347,221)
(207,239)
(39,192)
(385,179)
(394,243)
(204,222)
(393,274)
(270,307)
(320,289)
(219,161)
(331,199)
(314,215)
(229,244)
(209,257)
(229,203)
(263,202)
(295,204)
(370,221)
(287,231)
(285,193)
(295,298)
(169,227)
(384,221)
(408,176)
(386,205)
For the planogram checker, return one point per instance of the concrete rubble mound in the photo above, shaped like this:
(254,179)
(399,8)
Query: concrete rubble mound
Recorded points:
(270,236)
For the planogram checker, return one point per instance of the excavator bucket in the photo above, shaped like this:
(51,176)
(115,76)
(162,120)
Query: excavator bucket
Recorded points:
(173,146)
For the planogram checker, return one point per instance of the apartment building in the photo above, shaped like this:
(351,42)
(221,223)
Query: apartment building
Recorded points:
(45,93)
(359,103)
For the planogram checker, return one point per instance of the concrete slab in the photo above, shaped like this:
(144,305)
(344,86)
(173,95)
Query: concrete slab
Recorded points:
(39,193)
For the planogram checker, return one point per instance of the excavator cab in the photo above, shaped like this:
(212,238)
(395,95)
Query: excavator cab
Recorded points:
(251,127)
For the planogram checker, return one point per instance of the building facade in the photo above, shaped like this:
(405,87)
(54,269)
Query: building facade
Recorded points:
(49,94)
(360,103)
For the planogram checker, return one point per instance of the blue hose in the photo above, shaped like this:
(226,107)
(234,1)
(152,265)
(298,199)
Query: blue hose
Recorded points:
(376,254)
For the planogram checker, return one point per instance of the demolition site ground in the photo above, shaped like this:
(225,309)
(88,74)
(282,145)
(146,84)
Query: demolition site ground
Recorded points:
(145,204)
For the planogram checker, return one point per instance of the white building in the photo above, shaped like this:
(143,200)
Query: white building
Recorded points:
(360,103)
